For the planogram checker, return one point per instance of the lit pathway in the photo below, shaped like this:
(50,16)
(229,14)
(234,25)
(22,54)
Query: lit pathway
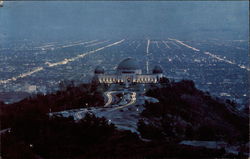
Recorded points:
(64,62)
(94,44)
(5,131)
(76,44)
(52,46)
(188,46)
(165,43)
(212,55)
(110,98)
(125,116)
(132,101)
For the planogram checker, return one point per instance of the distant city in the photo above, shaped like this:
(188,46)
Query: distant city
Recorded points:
(29,67)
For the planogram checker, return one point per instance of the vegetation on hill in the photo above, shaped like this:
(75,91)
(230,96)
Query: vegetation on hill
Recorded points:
(182,113)
(68,97)
(38,136)
(186,113)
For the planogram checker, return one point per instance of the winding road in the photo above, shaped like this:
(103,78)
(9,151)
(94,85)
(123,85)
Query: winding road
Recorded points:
(131,102)
(128,99)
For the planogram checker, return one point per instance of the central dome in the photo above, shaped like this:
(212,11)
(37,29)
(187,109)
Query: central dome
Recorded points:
(128,64)
(99,70)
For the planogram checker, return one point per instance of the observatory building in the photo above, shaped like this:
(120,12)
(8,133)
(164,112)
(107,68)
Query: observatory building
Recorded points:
(128,72)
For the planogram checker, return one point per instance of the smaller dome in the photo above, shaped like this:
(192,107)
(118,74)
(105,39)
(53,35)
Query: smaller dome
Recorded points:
(157,69)
(99,70)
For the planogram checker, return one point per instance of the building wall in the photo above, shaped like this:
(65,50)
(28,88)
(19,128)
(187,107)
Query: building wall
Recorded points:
(138,72)
(129,78)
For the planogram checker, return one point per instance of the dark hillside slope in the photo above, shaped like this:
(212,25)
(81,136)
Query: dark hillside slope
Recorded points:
(68,97)
(184,112)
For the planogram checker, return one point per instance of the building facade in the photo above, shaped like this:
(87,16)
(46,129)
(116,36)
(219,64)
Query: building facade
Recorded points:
(128,72)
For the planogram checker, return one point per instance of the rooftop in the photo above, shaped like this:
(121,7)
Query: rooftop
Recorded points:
(128,64)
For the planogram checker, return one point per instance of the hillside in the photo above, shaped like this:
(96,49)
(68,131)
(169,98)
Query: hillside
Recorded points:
(182,114)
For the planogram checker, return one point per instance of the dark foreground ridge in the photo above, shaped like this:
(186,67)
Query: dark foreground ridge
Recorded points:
(184,113)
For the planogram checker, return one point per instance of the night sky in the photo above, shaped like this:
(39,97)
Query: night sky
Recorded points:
(135,20)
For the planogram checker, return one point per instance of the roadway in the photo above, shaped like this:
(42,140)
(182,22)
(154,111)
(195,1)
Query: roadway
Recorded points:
(109,97)
(131,102)
(129,98)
